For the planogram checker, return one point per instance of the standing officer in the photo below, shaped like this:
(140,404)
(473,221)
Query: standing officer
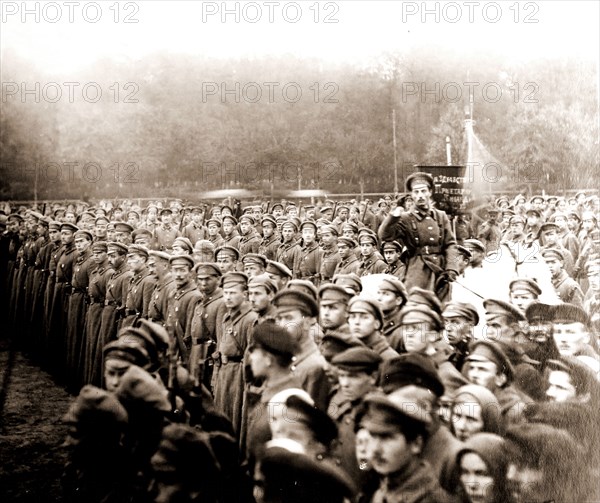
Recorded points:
(307,263)
(427,234)
(331,257)
(270,240)
(139,289)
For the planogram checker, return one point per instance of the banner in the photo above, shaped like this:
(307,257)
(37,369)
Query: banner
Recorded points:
(452,191)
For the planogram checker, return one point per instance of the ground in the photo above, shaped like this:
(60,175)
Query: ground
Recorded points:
(31,431)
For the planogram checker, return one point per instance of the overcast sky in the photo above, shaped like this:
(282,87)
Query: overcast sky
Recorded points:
(363,29)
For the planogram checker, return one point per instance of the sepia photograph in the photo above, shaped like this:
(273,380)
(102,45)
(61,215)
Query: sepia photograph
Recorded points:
(300,251)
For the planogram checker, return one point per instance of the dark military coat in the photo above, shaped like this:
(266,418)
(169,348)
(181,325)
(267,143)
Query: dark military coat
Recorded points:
(329,261)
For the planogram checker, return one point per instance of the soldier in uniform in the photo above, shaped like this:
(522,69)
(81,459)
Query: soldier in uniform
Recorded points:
(307,263)
(231,237)
(365,320)
(459,322)
(392,252)
(138,291)
(279,273)
(234,335)
(214,228)
(123,232)
(165,233)
(567,289)
(288,249)
(78,304)
(182,299)
(391,295)
(182,246)
(356,370)
(370,263)
(142,237)
(158,266)
(96,290)
(195,231)
(254,264)
(330,258)
(261,290)
(348,263)
(250,240)
(227,258)
(270,241)
(489,232)
(523,292)
(204,317)
(427,234)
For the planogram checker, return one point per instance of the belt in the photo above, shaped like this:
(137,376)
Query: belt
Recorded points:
(79,290)
(96,301)
(231,359)
(132,312)
(428,250)
(110,303)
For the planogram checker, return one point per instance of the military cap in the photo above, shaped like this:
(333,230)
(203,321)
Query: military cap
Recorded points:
(290,205)
(95,407)
(357,359)
(367,238)
(232,278)
(323,222)
(508,211)
(516,219)
(575,215)
(324,428)
(400,407)
(110,226)
(301,477)
(420,313)
(552,253)
(419,177)
(231,218)
(35,214)
(329,229)
(138,387)
(391,245)
(411,368)
(138,250)
(582,376)
(277,268)
(484,350)
(123,227)
(592,267)
(502,199)
(228,250)
(263,280)
(557,214)
(204,246)
(83,234)
(140,232)
(392,284)
(247,218)
(534,211)
(527,284)
(349,281)
(129,348)
(332,294)
(165,211)
(475,244)
(304,285)
(350,226)
(204,269)
(228,208)
(569,313)
(326,209)
(182,260)
(548,226)
(461,310)
(134,212)
(197,209)
(464,251)
(68,226)
(290,299)
(363,304)
(15,216)
(349,242)
(275,339)
(334,343)
(184,243)
(54,225)
(537,198)
(255,258)
(366,230)
(213,221)
(157,333)
(100,246)
(308,223)
(114,247)
(276,205)
(553,199)
(159,254)
(269,219)
(290,223)
(498,310)
(538,312)
(420,296)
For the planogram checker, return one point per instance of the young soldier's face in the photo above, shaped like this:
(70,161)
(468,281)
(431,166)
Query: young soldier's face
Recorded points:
(327,238)
(226,262)
(362,324)
(390,452)
(308,235)
(421,194)
(522,298)
(207,283)
(391,256)
(354,385)
(233,296)
(483,373)
(259,298)
(554,265)
(344,251)
(560,387)
(227,227)
(570,338)
(268,230)
(332,315)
